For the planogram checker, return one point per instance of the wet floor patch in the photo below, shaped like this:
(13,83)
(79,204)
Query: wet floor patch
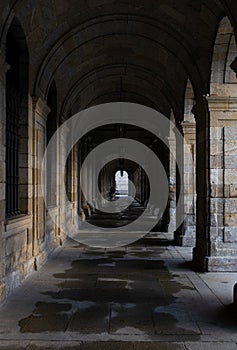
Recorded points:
(115,294)
(47,317)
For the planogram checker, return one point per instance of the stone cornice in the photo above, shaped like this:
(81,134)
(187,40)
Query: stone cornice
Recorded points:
(222,103)
(40,107)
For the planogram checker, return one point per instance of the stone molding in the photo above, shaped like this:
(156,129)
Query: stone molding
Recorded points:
(222,103)
(189,127)
(40,107)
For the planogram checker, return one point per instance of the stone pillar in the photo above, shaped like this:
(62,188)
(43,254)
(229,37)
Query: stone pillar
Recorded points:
(202,249)
(84,177)
(3,69)
(189,227)
(75,178)
(172,184)
(39,112)
(178,234)
(223,181)
(216,247)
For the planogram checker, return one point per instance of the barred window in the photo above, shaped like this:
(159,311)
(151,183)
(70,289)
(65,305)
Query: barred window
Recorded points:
(16,119)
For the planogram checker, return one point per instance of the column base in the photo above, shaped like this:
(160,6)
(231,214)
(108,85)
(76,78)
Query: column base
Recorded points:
(214,264)
(185,237)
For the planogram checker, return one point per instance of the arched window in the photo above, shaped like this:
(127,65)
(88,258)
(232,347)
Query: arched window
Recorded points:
(16,121)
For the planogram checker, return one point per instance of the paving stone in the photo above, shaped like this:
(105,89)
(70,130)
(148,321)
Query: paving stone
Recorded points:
(211,346)
(139,296)
(90,318)
(131,318)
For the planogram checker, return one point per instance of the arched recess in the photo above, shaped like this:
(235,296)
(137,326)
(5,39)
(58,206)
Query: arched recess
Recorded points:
(17,141)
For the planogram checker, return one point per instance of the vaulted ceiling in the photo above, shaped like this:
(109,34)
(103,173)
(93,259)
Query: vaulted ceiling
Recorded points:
(112,50)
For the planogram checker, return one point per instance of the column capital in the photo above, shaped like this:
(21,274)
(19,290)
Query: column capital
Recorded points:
(189,127)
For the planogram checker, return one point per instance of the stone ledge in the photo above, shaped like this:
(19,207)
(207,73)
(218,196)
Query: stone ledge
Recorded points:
(17,223)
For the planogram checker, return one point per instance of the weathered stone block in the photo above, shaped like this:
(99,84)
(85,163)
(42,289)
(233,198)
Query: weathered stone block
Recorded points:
(230,176)
(216,220)
(189,220)
(230,234)
(230,162)
(216,176)
(221,264)
(217,191)
(216,162)
(230,206)
(230,220)
(15,242)
(216,148)
(230,133)
(216,133)
(232,191)
(217,205)
(230,148)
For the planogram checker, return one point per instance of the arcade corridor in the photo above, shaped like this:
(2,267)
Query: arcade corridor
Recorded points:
(118,174)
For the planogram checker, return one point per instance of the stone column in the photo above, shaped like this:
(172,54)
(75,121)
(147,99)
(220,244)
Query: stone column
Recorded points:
(178,234)
(3,69)
(172,183)
(202,249)
(189,227)
(223,181)
(75,181)
(84,178)
(39,112)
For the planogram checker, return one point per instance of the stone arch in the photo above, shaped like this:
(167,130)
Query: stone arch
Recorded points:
(224,53)
(54,58)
